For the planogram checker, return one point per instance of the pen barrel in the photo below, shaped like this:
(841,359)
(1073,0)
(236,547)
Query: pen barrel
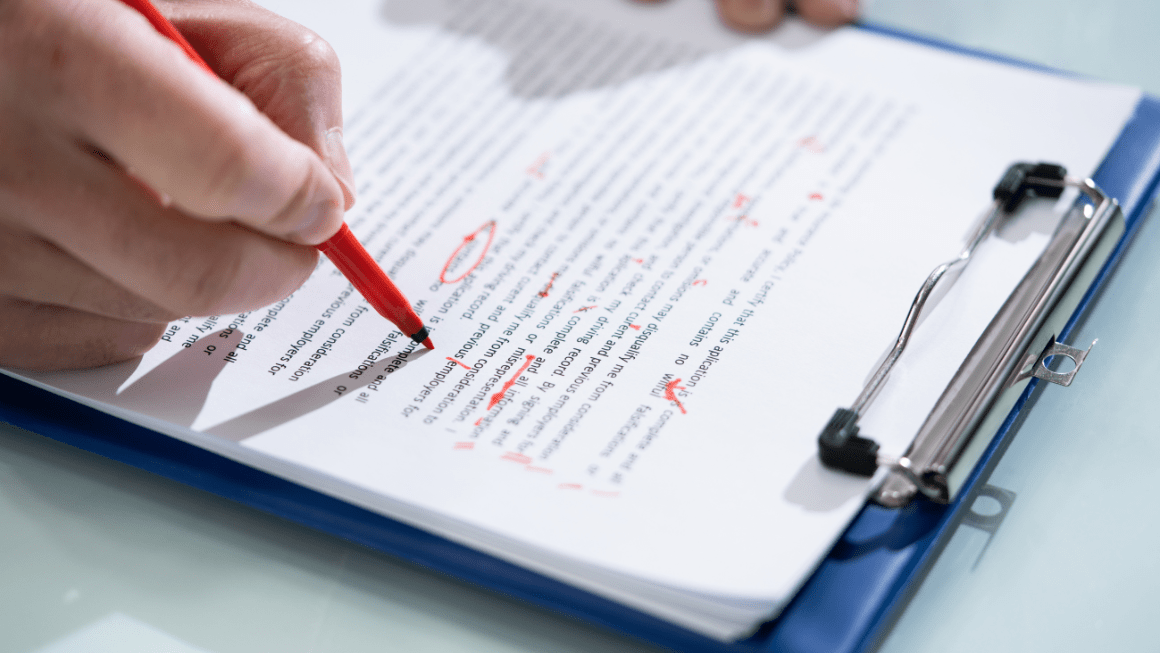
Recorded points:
(167,29)
(364,273)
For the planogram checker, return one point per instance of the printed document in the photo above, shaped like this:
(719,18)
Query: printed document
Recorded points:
(651,269)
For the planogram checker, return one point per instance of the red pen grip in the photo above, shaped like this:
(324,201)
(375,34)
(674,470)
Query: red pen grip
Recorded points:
(162,24)
(356,264)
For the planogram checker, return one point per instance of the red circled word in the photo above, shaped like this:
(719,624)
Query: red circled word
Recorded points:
(489,226)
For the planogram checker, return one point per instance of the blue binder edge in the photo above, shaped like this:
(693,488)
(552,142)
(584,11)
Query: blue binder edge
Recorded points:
(848,604)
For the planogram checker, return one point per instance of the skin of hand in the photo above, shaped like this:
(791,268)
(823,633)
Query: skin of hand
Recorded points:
(135,188)
(762,15)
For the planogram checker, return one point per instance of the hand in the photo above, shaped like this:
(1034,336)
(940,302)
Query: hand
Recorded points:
(135,188)
(762,15)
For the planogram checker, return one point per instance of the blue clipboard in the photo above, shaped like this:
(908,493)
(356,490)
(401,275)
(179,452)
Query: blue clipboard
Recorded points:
(847,605)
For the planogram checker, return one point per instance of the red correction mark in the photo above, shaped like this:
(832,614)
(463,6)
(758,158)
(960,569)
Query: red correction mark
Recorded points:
(739,201)
(746,220)
(464,446)
(544,292)
(537,169)
(516,458)
(469,240)
(459,363)
(605,493)
(638,260)
(812,144)
(816,196)
(478,422)
(584,308)
(634,327)
(570,486)
(510,382)
(700,282)
(541,470)
(670,393)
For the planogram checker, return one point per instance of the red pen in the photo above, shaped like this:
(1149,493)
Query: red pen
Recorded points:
(343,249)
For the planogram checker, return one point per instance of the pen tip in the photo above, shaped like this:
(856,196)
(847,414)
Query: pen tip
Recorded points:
(427,344)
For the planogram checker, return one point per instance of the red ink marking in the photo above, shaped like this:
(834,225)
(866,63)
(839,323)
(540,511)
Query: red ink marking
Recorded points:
(605,493)
(495,398)
(464,445)
(478,421)
(638,260)
(745,219)
(516,458)
(700,282)
(584,308)
(740,201)
(459,363)
(488,226)
(537,169)
(812,144)
(541,470)
(670,393)
(544,292)
(635,327)
(815,196)
(570,486)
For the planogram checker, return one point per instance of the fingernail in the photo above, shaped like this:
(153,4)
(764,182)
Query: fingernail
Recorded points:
(339,164)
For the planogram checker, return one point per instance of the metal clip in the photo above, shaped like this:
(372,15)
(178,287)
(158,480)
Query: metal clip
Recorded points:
(991,378)
(1077,356)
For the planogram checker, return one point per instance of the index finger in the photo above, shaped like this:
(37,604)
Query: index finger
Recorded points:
(189,135)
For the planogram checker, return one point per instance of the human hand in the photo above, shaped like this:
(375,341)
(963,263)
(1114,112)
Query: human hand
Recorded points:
(135,188)
(762,15)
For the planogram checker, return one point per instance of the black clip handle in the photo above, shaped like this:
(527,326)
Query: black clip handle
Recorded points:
(1021,179)
(840,446)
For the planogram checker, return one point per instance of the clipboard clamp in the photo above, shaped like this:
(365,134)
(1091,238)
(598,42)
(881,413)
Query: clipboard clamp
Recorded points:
(1017,345)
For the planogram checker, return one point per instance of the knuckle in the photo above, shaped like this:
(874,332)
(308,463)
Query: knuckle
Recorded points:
(315,55)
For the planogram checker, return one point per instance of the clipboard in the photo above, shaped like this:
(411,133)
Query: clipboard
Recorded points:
(847,605)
